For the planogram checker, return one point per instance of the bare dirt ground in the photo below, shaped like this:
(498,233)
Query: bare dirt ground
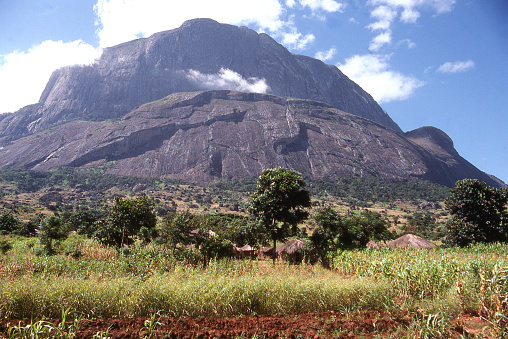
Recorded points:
(315,325)
(367,324)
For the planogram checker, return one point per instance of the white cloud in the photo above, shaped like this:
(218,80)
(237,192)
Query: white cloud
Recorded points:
(23,75)
(410,44)
(409,15)
(440,6)
(384,15)
(227,79)
(380,40)
(296,40)
(386,11)
(326,55)
(372,72)
(124,20)
(325,5)
(456,67)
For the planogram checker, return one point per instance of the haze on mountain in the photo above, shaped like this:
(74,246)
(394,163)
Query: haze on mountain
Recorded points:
(209,100)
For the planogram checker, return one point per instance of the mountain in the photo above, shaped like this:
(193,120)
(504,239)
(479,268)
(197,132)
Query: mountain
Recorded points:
(181,60)
(144,109)
(203,136)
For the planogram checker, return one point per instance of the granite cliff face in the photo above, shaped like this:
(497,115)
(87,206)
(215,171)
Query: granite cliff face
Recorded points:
(143,106)
(202,136)
(144,70)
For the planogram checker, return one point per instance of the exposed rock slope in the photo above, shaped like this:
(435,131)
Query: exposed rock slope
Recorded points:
(144,70)
(440,146)
(201,136)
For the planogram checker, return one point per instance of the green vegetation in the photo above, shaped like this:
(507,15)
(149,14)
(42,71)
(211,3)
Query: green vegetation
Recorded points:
(30,181)
(278,202)
(334,232)
(364,189)
(126,256)
(478,213)
(128,218)
(149,280)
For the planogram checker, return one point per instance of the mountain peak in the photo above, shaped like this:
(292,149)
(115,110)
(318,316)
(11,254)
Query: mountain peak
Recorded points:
(207,100)
(201,54)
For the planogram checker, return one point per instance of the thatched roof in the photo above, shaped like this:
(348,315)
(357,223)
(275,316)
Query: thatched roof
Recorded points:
(290,247)
(247,248)
(410,241)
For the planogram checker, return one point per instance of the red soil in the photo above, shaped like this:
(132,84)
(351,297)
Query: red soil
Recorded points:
(366,324)
(315,325)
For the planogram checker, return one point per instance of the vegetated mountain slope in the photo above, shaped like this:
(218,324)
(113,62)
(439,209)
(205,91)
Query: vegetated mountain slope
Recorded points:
(202,136)
(185,59)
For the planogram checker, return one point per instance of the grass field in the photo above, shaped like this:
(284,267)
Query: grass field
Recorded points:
(147,280)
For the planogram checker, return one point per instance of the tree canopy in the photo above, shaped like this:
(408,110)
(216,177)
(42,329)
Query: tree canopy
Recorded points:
(127,218)
(278,203)
(334,232)
(478,213)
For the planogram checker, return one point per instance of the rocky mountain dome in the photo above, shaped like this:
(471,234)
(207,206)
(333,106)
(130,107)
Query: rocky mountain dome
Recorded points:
(206,135)
(208,100)
(189,58)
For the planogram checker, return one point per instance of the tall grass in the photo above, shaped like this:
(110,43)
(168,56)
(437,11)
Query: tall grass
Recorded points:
(424,275)
(192,292)
(146,280)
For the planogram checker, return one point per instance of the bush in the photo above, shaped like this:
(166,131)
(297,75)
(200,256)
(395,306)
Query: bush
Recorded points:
(478,213)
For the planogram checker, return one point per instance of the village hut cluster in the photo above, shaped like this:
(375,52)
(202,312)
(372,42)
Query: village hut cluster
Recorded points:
(293,250)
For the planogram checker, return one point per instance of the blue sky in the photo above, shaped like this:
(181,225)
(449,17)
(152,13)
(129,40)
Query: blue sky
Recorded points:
(439,63)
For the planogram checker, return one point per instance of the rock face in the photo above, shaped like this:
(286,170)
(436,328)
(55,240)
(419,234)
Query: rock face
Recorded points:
(144,70)
(142,104)
(202,136)
(440,146)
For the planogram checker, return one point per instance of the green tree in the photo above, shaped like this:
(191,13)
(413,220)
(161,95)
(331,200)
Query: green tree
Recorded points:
(83,222)
(8,224)
(278,202)
(128,218)
(334,232)
(176,228)
(478,213)
(51,231)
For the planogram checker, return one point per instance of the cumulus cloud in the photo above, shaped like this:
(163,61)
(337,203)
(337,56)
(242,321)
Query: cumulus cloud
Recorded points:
(296,40)
(326,55)
(23,75)
(325,5)
(380,40)
(372,72)
(385,12)
(227,79)
(456,67)
(124,20)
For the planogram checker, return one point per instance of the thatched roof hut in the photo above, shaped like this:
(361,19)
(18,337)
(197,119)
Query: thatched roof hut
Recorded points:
(291,250)
(246,251)
(410,241)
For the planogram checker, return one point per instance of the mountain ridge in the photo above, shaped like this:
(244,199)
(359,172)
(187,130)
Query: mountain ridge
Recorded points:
(204,136)
(148,69)
(141,105)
